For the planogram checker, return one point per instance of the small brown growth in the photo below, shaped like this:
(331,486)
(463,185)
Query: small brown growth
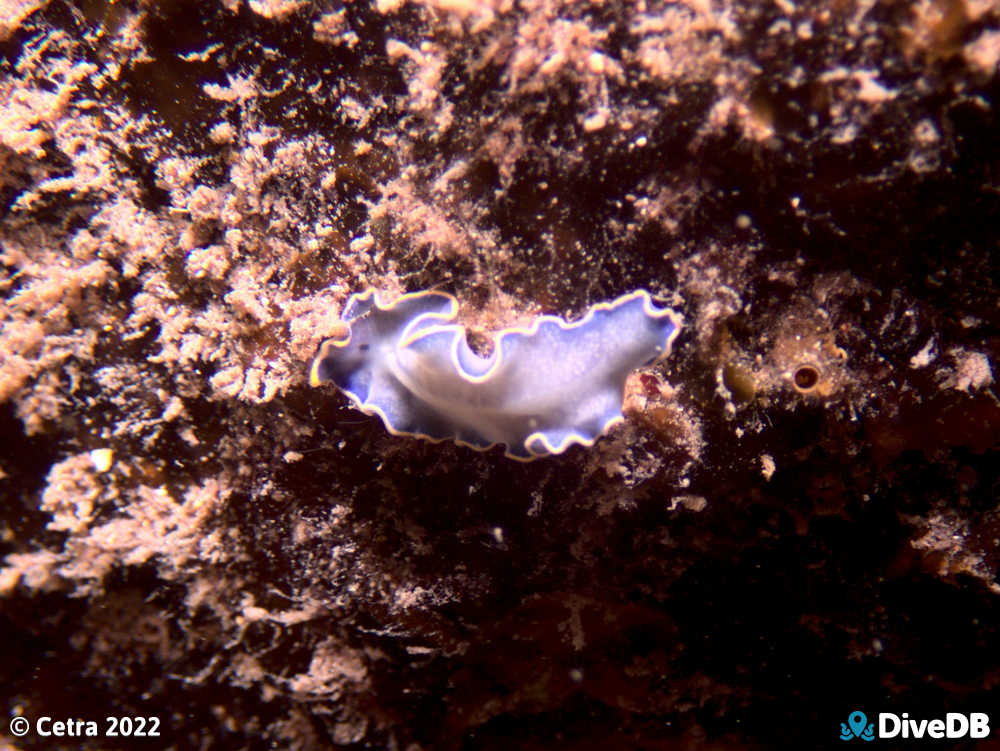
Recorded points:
(805,353)
(740,381)
(651,402)
(479,342)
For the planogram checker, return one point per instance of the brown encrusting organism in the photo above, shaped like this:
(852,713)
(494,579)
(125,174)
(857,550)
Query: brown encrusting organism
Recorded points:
(798,517)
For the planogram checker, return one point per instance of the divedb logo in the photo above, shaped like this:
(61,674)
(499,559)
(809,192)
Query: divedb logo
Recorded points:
(890,725)
(857,726)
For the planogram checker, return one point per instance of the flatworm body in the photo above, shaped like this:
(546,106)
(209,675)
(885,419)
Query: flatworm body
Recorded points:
(542,389)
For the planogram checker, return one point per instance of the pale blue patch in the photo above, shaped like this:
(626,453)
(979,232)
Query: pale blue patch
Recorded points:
(542,389)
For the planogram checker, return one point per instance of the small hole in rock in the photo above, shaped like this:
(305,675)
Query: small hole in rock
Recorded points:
(806,378)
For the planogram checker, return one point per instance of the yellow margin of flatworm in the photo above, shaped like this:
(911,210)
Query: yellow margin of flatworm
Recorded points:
(459,330)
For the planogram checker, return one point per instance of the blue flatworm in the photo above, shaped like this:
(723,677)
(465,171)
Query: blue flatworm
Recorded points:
(542,389)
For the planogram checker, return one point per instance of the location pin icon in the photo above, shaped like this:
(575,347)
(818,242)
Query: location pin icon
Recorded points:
(857,721)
